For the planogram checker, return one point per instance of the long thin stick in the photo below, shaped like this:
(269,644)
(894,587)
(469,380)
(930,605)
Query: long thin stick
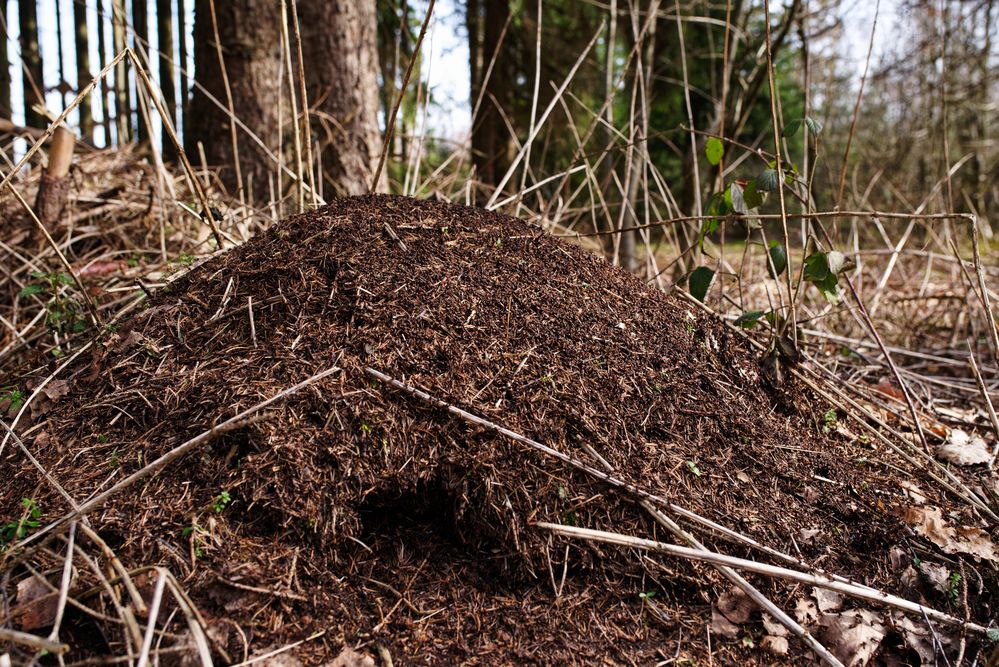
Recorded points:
(304,98)
(181,154)
(860,592)
(402,92)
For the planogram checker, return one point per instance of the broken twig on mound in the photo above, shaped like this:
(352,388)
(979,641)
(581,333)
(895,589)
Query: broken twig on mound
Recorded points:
(851,590)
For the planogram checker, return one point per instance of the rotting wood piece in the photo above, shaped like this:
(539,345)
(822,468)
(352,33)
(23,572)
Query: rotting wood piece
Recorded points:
(54,187)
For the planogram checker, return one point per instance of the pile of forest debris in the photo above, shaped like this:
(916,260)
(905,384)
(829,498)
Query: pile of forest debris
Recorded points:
(382,426)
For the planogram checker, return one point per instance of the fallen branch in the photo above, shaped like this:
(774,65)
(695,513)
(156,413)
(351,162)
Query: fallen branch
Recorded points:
(860,592)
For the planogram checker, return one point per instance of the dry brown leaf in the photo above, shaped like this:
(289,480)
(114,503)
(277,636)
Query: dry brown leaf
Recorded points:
(937,575)
(775,645)
(721,625)
(929,522)
(919,638)
(808,535)
(806,611)
(350,658)
(853,636)
(773,627)
(827,600)
(736,605)
(36,604)
(964,450)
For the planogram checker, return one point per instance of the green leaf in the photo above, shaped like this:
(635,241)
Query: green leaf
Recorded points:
(816,267)
(34,288)
(692,467)
(791,128)
(814,126)
(750,319)
(716,206)
(778,259)
(767,181)
(699,282)
(753,197)
(819,273)
(738,198)
(714,149)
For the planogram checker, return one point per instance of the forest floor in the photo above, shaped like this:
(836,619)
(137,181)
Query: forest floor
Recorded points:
(384,431)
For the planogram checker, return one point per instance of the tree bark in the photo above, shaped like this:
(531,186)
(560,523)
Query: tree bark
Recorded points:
(122,98)
(5,108)
(101,62)
(339,45)
(34,81)
(492,146)
(164,32)
(140,23)
(83,74)
(250,36)
(185,94)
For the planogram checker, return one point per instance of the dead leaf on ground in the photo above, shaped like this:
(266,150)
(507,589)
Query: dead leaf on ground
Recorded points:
(721,625)
(853,636)
(920,639)
(827,600)
(350,658)
(806,611)
(736,605)
(36,604)
(929,522)
(964,450)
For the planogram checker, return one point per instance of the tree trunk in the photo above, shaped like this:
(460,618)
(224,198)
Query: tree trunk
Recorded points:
(492,145)
(164,32)
(185,94)
(34,82)
(5,109)
(101,62)
(339,45)
(83,74)
(140,23)
(250,36)
(122,101)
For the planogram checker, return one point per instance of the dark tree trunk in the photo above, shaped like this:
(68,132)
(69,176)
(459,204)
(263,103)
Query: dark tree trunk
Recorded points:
(101,62)
(5,110)
(164,32)
(491,142)
(185,94)
(339,44)
(140,23)
(250,36)
(122,98)
(83,74)
(34,82)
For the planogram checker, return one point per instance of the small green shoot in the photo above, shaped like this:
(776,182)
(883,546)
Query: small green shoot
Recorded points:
(18,530)
(829,421)
(221,501)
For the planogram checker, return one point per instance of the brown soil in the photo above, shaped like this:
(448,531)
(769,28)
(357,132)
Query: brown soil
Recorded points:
(389,523)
